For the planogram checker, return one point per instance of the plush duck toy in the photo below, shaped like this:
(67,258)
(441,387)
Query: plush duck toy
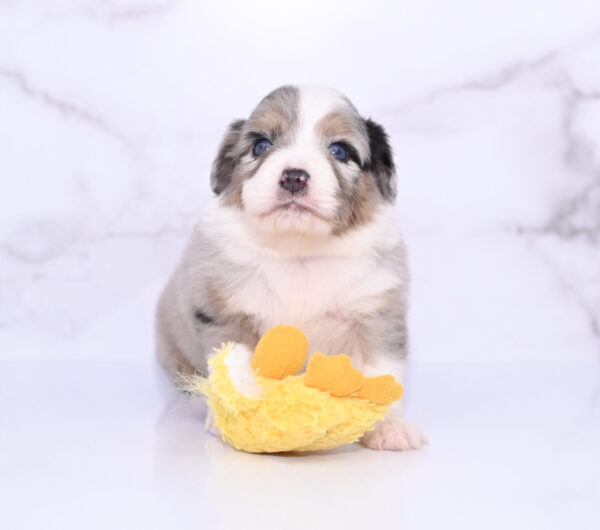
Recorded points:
(261,405)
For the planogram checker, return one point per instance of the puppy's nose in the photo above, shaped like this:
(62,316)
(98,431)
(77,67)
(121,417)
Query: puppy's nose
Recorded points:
(293,180)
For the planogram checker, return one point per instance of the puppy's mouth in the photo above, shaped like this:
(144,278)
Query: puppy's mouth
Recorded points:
(294,207)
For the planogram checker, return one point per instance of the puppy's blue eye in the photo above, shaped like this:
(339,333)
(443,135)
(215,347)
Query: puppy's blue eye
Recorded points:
(261,146)
(338,151)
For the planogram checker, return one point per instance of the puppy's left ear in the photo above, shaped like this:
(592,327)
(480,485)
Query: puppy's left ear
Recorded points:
(382,162)
(226,160)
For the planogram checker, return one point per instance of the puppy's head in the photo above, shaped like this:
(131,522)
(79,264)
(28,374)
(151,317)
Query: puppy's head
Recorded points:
(305,161)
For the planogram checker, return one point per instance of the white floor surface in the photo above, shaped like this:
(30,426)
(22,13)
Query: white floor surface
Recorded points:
(109,445)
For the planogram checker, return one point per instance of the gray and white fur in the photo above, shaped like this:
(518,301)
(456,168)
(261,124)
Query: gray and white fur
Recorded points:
(302,232)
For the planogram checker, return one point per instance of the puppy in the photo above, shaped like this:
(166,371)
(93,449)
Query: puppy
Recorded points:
(301,231)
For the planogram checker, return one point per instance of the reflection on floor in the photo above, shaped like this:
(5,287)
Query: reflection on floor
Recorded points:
(99,445)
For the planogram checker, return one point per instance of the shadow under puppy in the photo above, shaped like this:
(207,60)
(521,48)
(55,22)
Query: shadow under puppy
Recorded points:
(301,231)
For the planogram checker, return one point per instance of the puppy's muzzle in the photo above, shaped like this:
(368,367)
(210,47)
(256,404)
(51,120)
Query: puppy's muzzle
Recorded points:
(294,180)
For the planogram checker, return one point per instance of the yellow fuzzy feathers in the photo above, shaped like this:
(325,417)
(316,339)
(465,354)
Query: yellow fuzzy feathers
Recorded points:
(331,405)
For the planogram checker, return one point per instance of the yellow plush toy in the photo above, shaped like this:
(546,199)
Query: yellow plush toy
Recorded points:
(261,406)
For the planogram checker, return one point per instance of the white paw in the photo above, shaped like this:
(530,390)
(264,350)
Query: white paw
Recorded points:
(210,425)
(394,435)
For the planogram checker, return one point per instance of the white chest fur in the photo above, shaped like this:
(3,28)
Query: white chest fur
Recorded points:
(322,296)
(324,292)
(298,290)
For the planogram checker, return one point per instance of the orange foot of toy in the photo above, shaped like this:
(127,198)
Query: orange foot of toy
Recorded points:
(335,375)
(383,390)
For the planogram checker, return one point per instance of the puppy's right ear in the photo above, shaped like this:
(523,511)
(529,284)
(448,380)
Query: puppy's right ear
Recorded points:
(224,164)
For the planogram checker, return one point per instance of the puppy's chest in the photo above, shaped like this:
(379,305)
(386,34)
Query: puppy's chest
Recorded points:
(298,292)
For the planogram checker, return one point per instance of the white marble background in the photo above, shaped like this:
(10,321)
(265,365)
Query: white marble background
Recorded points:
(111,111)
(110,115)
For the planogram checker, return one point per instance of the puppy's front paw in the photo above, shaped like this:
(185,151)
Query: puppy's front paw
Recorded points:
(394,435)
(210,425)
